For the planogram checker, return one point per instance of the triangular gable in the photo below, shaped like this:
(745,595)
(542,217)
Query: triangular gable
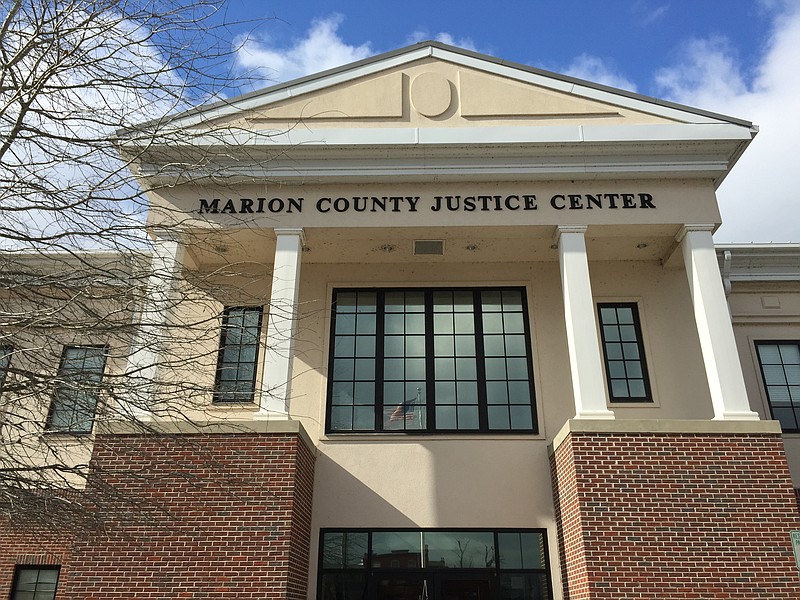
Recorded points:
(404,114)
(482,87)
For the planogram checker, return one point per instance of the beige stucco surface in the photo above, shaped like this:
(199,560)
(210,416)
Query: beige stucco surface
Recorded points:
(434,93)
(762,312)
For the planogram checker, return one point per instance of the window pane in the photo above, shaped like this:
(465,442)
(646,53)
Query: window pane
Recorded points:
(341,418)
(363,418)
(391,546)
(344,586)
(365,324)
(467,417)
(445,417)
(521,417)
(459,549)
(520,550)
(524,586)
(499,417)
(345,323)
(364,393)
(790,354)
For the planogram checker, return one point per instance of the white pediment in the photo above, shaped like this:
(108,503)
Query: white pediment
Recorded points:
(434,111)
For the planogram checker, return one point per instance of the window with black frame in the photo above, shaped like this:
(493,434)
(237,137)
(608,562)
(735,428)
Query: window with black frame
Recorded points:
(430,360)
(237,363)
(77,389)
(34,582)
(623,350)
(433,563)
(780,371)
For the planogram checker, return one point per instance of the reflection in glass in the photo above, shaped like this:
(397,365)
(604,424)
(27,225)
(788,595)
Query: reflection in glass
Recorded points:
(520,550)
(343,586)
(459,549)
(401,588)
(341,550)
(396,550)
(400,351)
(524,586)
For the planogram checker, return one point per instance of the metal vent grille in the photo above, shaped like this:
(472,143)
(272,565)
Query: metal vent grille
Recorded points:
(435,247)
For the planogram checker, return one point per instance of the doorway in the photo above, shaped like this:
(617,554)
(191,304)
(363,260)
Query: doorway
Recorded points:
(440,586)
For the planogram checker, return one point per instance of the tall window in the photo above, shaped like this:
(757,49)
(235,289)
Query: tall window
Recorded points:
(5,362)
(780,370)
(626,369)
(77,389)
(34,583)
(238,354)
(433,563)
(454,360)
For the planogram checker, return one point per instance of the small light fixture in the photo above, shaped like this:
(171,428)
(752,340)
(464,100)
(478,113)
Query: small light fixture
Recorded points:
(642,245)
(388,248)
(472,247)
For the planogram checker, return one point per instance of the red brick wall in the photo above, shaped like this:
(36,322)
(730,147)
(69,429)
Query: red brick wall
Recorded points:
(668,516)
(217,516)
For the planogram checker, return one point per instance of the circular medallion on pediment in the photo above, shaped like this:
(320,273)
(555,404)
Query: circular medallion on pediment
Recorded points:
(431,94)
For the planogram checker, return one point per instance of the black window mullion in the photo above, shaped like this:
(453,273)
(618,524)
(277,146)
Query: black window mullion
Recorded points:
(430,373)
(480,358)
(380,316)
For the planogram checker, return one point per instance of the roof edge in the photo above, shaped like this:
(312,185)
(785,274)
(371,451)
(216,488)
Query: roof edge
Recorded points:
(432,46)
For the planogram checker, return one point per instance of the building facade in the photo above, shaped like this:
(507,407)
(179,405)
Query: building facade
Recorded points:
(459,330)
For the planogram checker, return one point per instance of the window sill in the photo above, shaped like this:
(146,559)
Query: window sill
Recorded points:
(427,436)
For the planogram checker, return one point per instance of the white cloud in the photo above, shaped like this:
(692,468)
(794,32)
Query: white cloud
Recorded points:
(759,199)
(322,48)
(648,14)
(592,68)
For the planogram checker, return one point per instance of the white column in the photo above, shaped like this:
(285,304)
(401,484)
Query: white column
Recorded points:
(721,358)
(579,312)
(282,325)
(146,348)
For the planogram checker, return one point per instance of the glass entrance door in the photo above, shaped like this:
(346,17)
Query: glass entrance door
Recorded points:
(462,587)
(444,586)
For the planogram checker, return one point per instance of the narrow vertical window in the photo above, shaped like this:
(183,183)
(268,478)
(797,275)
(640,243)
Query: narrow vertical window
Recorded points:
(626,369)
(77,389)
(238,354)
(780,370)
(34,583)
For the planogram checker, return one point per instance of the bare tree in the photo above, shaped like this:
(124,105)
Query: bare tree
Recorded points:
(76,268)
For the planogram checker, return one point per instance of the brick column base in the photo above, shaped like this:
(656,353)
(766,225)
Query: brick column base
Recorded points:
(700,513)
(222,516)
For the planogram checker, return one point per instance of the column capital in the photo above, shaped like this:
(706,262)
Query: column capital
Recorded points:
(298,231)
(561,229)
(693,227)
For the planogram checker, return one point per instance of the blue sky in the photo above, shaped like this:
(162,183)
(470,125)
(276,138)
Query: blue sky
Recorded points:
(737,57)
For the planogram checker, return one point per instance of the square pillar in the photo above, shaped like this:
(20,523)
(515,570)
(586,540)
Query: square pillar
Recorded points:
(281,324)
(146,352)
(585,361)
(717,342)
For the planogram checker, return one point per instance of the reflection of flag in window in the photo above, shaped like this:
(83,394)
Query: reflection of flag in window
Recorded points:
(407,410)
